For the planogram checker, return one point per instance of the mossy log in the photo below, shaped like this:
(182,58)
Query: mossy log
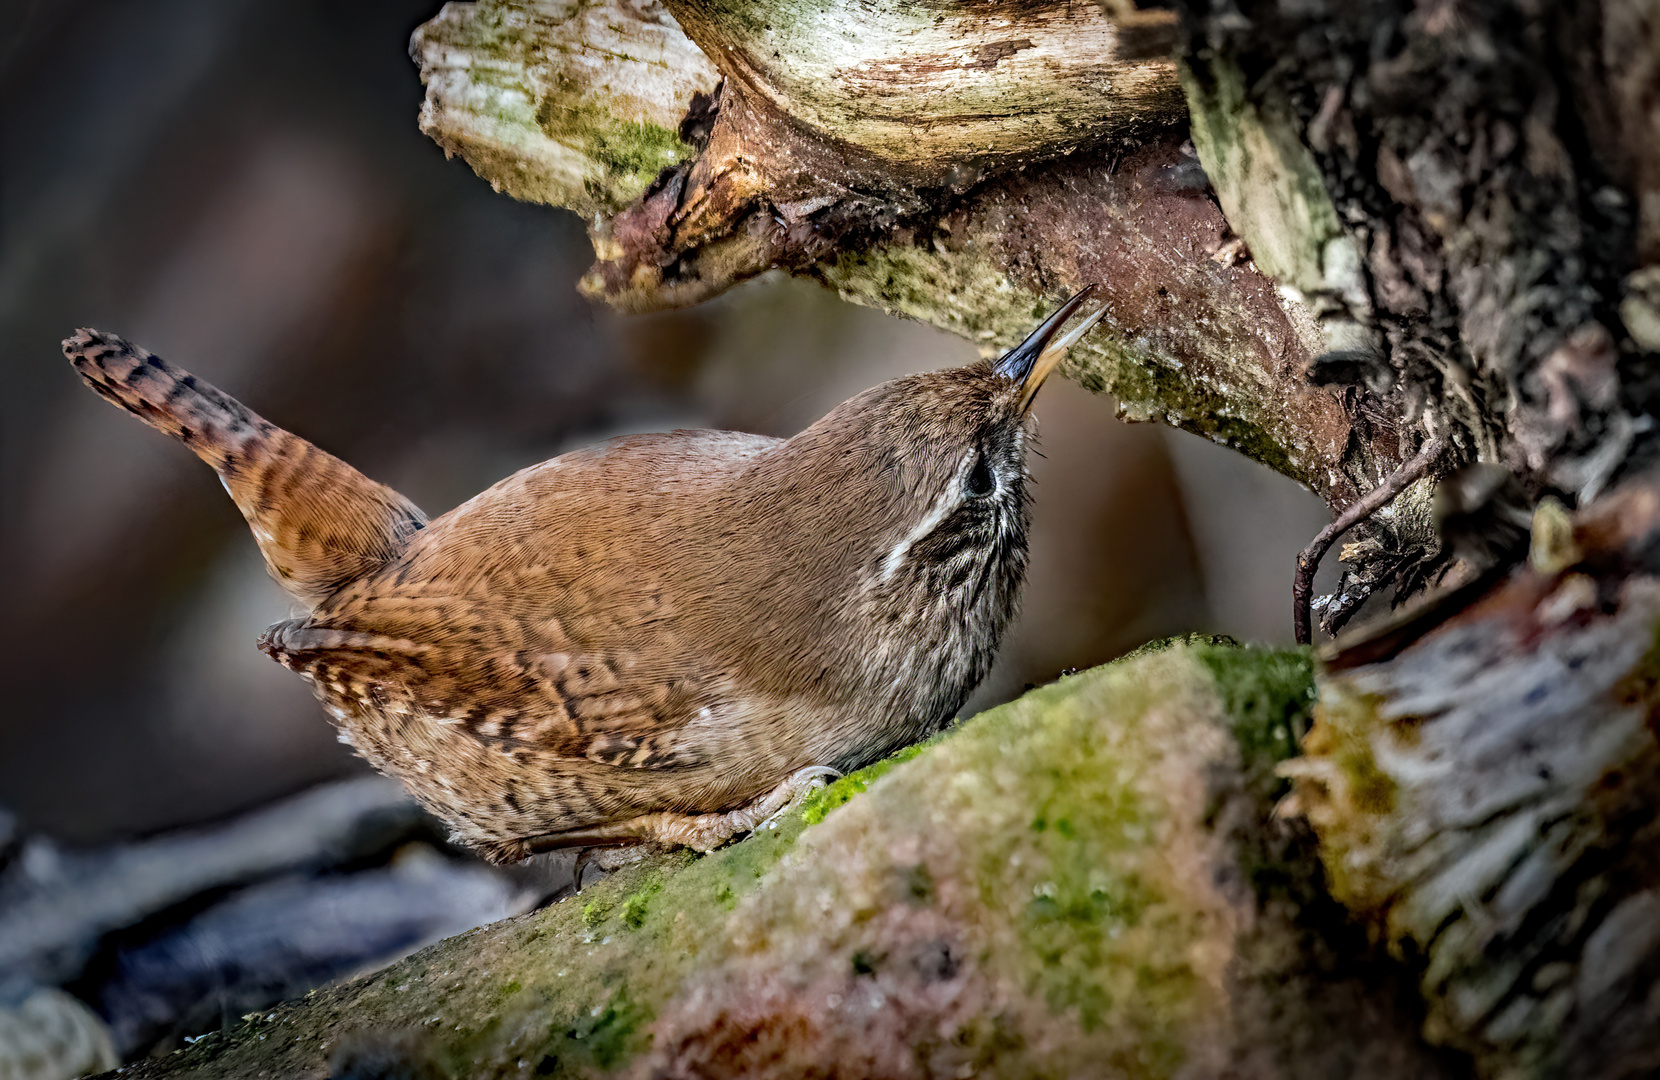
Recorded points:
(1087,881)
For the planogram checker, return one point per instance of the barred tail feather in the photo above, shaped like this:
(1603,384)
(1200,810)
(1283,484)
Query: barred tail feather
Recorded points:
(319,522)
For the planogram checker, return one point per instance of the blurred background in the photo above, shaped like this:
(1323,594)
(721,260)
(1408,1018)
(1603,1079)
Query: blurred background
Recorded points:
(239,186)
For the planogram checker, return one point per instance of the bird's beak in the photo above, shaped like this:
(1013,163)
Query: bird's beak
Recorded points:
(1032,361)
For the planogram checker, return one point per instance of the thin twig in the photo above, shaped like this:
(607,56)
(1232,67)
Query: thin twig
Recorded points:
(1308,560)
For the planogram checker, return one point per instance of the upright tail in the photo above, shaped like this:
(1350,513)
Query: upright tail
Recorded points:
(319,522)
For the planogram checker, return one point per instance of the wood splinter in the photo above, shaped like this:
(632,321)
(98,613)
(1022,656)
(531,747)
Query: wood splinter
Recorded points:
(1308,560)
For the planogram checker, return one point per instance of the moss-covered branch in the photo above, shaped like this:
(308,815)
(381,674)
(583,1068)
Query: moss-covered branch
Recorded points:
(1087,878)
(1418,222)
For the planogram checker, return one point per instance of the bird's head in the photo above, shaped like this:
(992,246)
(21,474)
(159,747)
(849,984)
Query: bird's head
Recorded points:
(906,506)
(929,470)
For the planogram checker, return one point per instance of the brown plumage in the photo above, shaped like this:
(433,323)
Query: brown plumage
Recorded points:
(658,638)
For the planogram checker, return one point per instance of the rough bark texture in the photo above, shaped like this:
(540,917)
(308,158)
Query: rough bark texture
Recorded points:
(1468,150)
(577,104)
(968,232)
(1439,208)
(1487,799)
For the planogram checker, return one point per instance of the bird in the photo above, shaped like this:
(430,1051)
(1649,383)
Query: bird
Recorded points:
(661,639)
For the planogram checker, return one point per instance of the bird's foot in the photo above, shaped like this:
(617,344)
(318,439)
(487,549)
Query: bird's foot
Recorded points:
(700,832)
(706,832)
(795,789)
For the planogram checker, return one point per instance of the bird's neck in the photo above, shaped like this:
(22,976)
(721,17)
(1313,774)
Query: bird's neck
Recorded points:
(811,586)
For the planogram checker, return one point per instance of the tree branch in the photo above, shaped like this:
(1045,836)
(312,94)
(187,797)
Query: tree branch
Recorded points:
(1308,560)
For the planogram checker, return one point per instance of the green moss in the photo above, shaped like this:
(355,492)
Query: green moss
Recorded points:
(1354,797)
(612,1036)
(1094,936)
(635,906)
(634,154)
(1105,933)
(1268,696)
(629,155)
(1072,866)
(1370,789)
(539,128)
(1158,645)
(595,912)
(818,805)
(1148,389)
(1071,927)
(958,290)
(600,970)
(1268,183)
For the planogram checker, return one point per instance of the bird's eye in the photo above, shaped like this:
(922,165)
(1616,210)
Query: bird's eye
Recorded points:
(980,480)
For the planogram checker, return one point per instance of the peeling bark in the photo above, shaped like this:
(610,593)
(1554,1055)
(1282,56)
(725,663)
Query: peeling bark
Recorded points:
(1487,241)
(931,90)
(577,103)
(974,235)
(1486,797)
(1431,246)
(835,126)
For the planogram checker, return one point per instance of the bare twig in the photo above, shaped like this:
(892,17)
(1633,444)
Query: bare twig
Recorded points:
(1308,560)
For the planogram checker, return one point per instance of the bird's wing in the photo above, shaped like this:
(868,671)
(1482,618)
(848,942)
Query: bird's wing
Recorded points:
(544,613)
(552,697)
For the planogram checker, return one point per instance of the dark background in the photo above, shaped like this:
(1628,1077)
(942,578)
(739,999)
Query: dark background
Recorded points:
(239,185)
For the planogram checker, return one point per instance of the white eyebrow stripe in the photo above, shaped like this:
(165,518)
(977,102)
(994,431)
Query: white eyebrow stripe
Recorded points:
(948,501)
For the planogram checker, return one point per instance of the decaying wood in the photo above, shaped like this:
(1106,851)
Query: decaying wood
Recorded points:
(56,905)
(573,103)
(1487,799)
(164,938)
(1481,247)
(836,125)
(1428,285)
(932,90)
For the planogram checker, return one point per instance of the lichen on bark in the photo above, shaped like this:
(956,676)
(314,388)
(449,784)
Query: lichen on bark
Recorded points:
(1271,191)
(571,102)
(1424,225)
(980,239)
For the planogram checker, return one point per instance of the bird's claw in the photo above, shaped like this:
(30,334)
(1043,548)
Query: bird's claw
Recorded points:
(798,785)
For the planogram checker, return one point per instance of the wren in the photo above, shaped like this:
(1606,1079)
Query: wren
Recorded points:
(661,638)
